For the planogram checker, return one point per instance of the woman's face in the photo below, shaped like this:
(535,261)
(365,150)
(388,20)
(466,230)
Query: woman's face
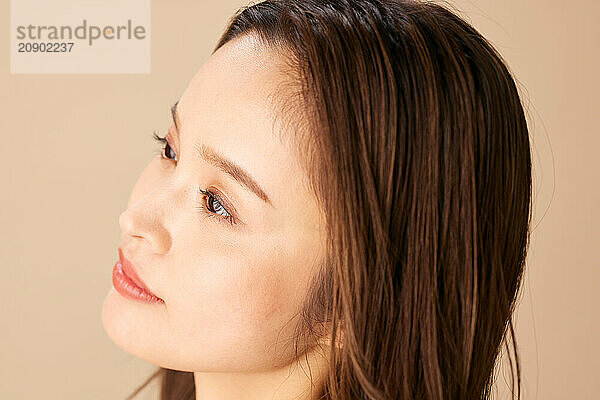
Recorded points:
(231,290)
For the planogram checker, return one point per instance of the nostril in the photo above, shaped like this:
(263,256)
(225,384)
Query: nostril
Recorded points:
(147,227)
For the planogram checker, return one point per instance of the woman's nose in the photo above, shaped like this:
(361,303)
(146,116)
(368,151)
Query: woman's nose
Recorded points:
(145,223)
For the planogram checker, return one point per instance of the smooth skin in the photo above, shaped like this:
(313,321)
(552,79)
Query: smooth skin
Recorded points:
(231,292)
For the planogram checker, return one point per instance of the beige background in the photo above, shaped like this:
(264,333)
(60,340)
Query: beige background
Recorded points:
(73,145)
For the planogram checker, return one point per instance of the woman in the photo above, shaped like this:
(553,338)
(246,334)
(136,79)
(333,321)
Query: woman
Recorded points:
(364,169)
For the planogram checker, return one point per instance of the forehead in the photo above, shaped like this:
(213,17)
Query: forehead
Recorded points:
(241,71)
(230,105)
(241,75)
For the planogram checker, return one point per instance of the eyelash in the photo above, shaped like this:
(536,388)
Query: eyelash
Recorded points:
(165,145)
(213,196)
(207,193)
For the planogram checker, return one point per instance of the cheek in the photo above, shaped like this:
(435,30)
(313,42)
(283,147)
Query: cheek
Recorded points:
(264,296)
(242,297)
(246,301)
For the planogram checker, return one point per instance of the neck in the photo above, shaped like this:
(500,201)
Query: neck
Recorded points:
(301,379)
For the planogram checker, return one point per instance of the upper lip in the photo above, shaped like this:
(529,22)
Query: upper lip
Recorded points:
(131,272)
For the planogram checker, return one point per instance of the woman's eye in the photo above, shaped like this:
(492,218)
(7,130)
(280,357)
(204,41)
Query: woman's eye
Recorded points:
(167,151)
(212,204)
(214,208)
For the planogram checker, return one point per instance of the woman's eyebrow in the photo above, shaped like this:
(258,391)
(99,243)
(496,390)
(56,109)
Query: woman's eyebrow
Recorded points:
(210,155)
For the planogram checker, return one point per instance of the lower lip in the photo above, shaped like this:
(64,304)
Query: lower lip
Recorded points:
(127,288)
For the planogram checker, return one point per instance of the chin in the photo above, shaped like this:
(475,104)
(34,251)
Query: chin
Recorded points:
(126,324)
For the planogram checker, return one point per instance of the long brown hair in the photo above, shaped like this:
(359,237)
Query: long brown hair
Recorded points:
(412,132)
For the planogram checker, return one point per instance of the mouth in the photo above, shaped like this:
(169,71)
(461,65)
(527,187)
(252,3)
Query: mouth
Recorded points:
(128,283)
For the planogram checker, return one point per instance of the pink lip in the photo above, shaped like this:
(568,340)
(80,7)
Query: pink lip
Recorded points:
(128,283)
